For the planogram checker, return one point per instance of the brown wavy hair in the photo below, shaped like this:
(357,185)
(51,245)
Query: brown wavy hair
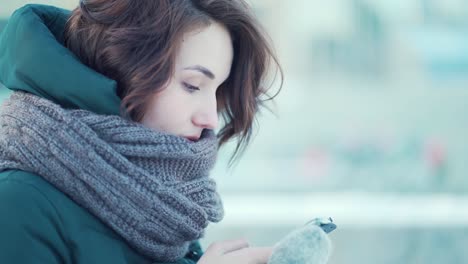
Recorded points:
(135,43)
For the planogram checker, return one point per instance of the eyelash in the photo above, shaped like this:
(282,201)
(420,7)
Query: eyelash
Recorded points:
(191,88)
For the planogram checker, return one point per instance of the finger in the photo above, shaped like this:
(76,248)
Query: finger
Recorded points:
(226,246)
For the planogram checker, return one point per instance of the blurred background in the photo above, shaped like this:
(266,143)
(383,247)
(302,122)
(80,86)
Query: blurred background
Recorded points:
(370,128)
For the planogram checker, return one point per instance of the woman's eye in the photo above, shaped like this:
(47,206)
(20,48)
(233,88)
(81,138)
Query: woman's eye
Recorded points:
(191,88)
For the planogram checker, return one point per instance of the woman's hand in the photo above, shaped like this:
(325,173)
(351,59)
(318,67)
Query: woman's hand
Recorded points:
(235,252)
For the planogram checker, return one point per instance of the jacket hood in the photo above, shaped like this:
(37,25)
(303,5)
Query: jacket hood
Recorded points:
(34,59)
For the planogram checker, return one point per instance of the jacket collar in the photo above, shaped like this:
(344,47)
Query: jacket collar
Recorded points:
(33,59)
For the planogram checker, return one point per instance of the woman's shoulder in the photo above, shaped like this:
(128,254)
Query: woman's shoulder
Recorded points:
(19,189)
(29,220)
(36,215)
(25,190)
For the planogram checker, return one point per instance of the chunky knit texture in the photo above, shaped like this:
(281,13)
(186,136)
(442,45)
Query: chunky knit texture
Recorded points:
(152,188)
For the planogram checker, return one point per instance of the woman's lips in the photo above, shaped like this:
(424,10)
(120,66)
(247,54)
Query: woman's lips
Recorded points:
(192,138)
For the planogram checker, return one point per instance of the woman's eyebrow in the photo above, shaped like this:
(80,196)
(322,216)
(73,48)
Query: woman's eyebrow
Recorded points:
(201,69)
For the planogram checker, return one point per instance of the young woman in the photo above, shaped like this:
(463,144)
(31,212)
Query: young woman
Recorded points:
(108,138)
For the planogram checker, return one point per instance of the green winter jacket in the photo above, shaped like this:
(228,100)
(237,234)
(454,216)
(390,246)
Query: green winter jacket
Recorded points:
(39,223)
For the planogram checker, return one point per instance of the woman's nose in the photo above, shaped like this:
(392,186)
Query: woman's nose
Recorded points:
(207,116)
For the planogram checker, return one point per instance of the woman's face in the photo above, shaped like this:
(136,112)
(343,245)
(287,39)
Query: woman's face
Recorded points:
(187,105)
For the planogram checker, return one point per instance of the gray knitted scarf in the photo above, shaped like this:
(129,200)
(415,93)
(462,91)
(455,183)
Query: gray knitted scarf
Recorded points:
(151,187)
